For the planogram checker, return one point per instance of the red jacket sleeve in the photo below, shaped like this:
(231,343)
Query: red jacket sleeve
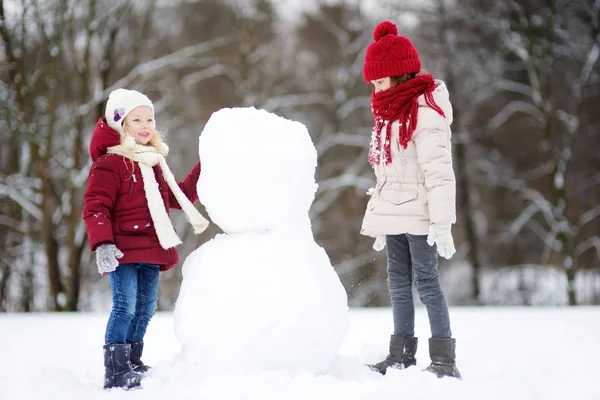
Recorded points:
(188,187)
(102,188)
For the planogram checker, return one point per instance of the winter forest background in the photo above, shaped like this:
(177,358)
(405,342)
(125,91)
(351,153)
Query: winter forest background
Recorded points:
(524,78)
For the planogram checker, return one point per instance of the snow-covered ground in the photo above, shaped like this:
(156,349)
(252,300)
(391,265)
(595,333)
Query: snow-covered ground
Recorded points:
(503,353)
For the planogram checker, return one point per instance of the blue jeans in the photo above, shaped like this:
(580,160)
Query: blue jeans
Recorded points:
(410,257)
(135,298)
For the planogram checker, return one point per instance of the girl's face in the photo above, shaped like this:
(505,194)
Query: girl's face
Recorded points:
(382,84)
(140,124)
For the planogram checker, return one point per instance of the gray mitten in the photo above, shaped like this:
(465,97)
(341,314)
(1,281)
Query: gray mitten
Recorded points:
(106,258)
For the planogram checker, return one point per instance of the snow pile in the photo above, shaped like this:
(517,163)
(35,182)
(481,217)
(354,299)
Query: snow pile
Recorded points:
(263,295)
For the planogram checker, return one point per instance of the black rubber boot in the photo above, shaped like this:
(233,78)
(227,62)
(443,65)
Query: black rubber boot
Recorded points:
(137,348)
(443,357)
(402,354)
(118,372)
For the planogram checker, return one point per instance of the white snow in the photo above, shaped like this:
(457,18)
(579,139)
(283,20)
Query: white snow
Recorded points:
(246,302)
(263,295)
(504,353)
(257,171)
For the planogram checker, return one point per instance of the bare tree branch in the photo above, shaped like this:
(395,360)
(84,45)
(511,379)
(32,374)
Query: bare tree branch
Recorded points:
(513,107)
(155,66)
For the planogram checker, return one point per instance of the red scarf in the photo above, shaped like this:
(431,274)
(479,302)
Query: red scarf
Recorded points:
(399,103)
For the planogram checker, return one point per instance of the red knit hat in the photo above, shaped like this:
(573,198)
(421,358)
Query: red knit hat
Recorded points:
(389,54)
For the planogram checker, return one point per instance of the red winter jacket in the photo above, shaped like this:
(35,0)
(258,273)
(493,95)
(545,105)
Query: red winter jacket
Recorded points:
(115,208)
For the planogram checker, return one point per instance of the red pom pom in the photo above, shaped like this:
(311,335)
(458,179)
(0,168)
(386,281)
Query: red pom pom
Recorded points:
(385,28)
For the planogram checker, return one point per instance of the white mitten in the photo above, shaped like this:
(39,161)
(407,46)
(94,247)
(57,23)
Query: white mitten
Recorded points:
(379,243)
(442,236)
(106,258)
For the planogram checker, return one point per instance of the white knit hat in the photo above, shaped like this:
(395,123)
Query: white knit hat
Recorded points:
(120,103)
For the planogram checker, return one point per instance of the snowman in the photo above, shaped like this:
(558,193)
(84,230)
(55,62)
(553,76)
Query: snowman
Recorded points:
(262,295)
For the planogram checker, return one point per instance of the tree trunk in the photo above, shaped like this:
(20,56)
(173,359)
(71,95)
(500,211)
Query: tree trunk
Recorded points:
(27,290)
(463,182)
(466,206)
(51,247)
(6,272)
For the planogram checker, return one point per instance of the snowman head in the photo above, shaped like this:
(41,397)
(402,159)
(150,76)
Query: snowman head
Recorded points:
(257,171)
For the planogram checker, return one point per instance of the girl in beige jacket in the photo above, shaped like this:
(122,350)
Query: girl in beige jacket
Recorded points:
(412,206)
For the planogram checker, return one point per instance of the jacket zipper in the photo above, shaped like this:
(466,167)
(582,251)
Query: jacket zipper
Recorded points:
(402,155)
(131,187)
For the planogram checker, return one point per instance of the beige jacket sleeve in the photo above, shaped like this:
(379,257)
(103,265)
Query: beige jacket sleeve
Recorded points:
(432,140)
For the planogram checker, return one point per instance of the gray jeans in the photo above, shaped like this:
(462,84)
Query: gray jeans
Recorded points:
(410,257)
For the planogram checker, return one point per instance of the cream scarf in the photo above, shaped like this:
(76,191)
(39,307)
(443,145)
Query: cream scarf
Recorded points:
(147,157)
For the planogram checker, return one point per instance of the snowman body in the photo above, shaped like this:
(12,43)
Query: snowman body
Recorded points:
(263,294)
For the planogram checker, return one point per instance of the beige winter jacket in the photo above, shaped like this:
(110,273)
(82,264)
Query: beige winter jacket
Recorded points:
(418,187)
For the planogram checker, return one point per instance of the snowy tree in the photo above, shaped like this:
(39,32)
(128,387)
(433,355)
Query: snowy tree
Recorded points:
(523,76)
(546,64)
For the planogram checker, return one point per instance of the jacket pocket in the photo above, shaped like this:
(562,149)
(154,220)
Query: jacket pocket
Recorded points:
(397,193)
(135,227)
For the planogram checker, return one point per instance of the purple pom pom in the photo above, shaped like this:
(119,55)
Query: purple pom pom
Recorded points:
(119,112)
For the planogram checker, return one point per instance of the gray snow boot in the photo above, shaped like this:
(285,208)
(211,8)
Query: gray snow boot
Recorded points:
(137,364)
(442,352)
(118,372)
(402,354)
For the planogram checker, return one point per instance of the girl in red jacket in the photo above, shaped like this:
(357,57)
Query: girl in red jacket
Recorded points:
(129,192)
